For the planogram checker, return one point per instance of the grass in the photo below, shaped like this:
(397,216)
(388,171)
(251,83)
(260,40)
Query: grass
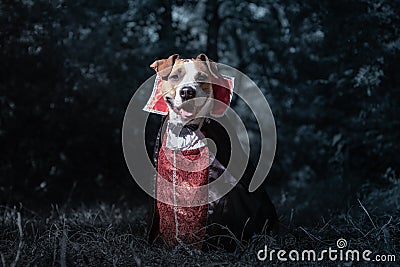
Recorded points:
(107,235)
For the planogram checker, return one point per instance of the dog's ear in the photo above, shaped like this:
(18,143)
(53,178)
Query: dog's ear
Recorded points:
(222,87)
(211,65)
(163,67)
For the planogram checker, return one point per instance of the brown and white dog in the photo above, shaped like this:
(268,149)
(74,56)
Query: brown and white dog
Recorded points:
(188,90)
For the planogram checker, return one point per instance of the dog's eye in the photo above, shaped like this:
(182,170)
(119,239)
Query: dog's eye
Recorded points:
(174,77)
(202,77)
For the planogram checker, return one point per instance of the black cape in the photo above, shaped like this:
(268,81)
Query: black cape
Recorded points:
(238,215)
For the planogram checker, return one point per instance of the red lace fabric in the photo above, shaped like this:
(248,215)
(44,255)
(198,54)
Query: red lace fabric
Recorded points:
(191,221)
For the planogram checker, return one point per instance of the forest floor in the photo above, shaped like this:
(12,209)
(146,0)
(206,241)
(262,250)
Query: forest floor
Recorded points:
(107,235)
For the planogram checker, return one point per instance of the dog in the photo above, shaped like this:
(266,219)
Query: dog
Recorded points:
(192,96)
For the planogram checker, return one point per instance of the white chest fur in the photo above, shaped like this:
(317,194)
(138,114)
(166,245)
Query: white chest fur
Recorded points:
(189,140)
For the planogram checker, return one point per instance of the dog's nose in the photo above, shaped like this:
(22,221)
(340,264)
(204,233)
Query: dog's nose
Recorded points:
(187,93)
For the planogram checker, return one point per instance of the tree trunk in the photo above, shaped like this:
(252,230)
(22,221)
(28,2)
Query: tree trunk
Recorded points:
(167,33)
(214,22)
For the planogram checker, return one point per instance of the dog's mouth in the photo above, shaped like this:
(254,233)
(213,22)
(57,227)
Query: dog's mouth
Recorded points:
(187,109)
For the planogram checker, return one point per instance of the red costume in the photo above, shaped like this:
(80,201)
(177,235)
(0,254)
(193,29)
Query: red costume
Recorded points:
(236,216)
(182,224)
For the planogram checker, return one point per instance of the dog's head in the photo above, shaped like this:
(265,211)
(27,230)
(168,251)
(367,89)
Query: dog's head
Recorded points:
(187,85)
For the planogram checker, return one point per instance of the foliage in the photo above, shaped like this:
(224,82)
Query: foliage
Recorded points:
(328,69)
